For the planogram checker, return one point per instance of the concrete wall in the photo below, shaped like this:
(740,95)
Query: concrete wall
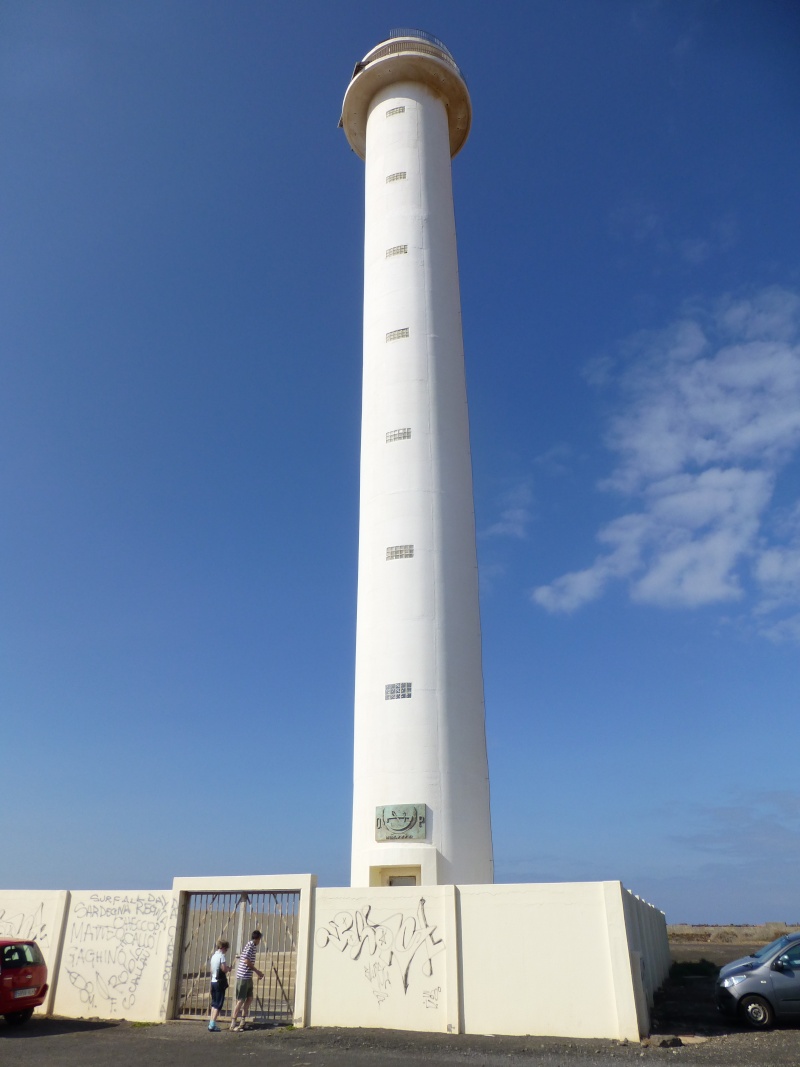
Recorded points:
(116,960)
(647,936)
(37,914)
(562,960)
(578,959)
(547,959)
(385,958)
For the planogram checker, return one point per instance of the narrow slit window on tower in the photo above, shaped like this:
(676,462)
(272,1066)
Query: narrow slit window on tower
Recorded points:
(398,435)
(400,552)
(396,250)
(397,691)
(395,335)
(398,176)
(395,111)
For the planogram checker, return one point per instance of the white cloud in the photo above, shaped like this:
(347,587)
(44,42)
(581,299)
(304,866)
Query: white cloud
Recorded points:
(709,416)
(778,574)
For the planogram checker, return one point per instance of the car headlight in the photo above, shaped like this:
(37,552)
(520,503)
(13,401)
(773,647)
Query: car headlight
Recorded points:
(732,980)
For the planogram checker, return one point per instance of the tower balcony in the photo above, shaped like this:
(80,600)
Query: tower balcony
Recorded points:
(407,55)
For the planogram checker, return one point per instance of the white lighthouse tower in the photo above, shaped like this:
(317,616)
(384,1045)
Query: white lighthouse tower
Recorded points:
(421,782)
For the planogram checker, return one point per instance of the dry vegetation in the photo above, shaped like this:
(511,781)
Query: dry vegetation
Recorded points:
(682,933)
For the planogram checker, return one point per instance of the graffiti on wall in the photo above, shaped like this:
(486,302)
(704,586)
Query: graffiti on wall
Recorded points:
(166,974)
(387,948)
(430,997)
(28,924)
(111,941)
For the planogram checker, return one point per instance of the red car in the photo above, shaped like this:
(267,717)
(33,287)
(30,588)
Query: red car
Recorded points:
(23,979)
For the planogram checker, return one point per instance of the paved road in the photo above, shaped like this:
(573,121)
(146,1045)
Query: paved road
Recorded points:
(68,1043)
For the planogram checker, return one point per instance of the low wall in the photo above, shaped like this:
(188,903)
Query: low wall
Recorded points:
(576,959)
(37,914)
(116,960)
(109,954)
(385,958)
(647,936)
(553,959)
(547,959)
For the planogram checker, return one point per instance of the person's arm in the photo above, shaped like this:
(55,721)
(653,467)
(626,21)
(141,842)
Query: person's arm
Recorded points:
(253,968)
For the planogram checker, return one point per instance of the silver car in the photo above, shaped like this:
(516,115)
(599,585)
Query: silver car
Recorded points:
(766,985)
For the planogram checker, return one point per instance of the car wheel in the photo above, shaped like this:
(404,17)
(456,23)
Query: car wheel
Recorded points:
(757,1012)
(17,1018)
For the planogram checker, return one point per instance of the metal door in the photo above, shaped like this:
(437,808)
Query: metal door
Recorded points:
(232,917)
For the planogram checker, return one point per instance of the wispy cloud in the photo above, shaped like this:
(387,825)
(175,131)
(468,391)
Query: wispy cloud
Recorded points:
(515,513)
(555,461)
(721,867)
(760,829)
(709,416)
(639,222)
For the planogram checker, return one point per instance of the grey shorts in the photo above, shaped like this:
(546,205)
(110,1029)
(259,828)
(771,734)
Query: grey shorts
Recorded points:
(244,988)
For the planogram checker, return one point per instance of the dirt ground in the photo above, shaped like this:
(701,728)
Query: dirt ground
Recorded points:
(718,954)
(685,1005)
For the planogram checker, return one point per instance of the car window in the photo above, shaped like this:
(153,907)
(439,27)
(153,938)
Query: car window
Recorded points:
(21,956)
(792,956)
(767,949)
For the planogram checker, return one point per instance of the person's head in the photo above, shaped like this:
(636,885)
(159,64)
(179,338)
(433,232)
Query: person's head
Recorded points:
(222,945)
(256,935)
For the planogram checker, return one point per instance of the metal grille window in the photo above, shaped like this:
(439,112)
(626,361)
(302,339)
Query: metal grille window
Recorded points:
(398,690)
(400,552)
(398,435)
(232,917)
(398,176)
(396,250)
(395,111)
(395,335)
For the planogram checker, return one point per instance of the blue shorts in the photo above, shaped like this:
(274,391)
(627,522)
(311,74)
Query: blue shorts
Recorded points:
(217,995)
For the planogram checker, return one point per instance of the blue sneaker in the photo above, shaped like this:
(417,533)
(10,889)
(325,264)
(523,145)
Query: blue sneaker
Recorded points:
(214,1028)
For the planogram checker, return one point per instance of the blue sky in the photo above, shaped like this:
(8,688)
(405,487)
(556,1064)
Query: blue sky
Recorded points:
(180,293)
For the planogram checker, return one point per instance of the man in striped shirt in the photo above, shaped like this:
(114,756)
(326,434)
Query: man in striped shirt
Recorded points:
(245,969)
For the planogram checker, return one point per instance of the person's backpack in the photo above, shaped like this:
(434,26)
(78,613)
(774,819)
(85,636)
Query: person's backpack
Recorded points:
(222,978)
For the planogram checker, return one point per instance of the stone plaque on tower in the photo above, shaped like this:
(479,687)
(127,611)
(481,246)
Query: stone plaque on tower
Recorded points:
(400,822)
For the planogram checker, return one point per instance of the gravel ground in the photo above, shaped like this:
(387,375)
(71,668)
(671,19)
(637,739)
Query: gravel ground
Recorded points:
(66,1043)
(684,1012)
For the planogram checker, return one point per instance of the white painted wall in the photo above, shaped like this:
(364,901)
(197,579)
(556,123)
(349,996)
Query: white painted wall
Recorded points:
(116,960)
(38,915)
(554,959)
(418,619)
(647,935)
(548,959)
(385,958)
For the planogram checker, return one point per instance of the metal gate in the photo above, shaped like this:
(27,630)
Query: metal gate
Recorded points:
(233,916)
